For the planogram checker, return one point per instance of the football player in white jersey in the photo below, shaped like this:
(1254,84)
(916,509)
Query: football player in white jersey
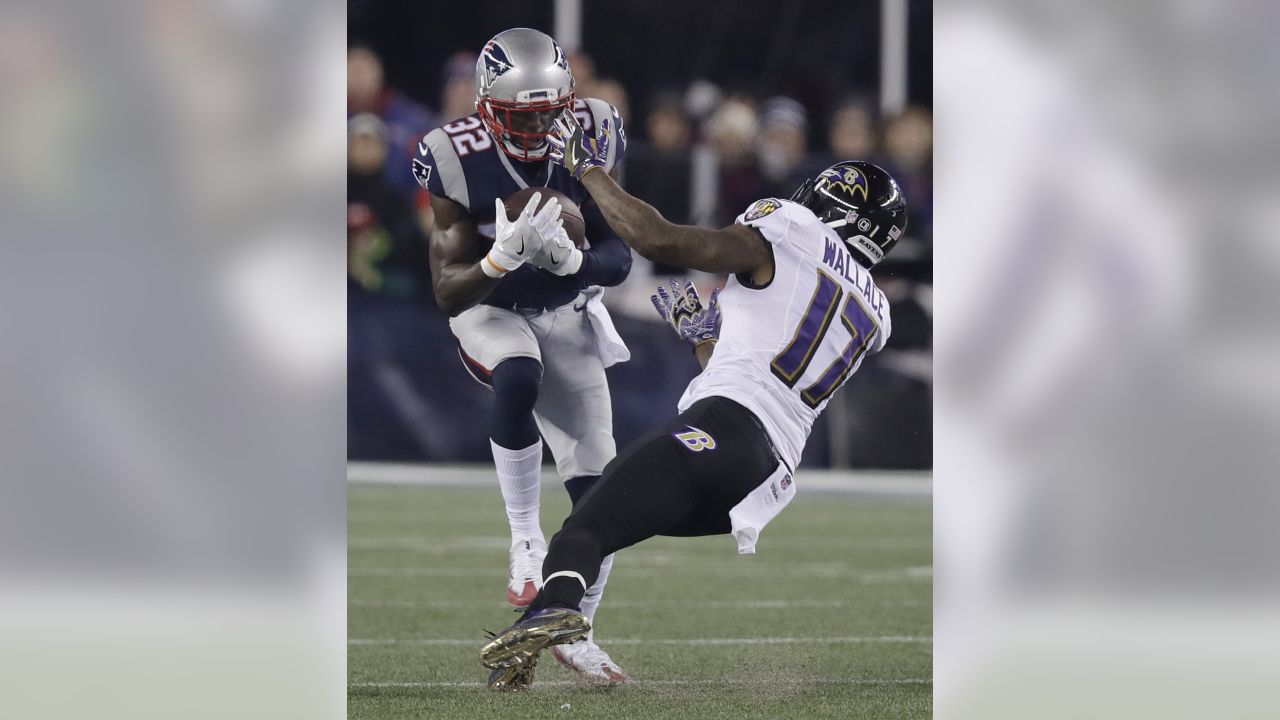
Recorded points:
(800,312)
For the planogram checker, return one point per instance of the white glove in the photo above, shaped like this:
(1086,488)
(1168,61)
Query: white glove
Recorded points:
(558,255)
(515,242)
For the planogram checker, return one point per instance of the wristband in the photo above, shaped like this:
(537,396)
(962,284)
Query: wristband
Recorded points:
(491,268)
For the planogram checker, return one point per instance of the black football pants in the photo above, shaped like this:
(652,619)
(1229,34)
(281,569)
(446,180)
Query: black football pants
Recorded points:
(680,479)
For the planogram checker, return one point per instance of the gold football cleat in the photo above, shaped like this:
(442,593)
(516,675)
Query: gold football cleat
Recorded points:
(514,678)
(524,640)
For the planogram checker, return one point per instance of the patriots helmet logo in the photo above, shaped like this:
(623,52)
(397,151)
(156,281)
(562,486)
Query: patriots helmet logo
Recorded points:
(560,58)
(495,62)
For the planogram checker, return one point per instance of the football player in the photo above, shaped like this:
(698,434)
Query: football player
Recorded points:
(514,291)
(800,312)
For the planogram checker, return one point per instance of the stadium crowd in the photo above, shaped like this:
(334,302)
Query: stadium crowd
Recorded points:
(700,154)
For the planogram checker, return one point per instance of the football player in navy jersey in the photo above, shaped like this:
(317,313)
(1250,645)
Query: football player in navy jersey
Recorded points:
(524,302)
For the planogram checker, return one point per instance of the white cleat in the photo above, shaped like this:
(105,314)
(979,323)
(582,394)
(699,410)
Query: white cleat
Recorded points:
(591,663)
(524,571)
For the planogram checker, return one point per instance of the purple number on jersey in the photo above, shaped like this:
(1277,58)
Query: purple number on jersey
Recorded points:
(861,326)
(794,359)
(791,363)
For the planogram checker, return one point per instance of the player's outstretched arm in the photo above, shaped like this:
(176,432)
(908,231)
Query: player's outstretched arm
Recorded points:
(733,249)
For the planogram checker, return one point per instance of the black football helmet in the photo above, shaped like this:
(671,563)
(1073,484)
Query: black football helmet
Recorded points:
(862,203)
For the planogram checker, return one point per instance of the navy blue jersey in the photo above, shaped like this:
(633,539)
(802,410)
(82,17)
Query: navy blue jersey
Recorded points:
(460,161)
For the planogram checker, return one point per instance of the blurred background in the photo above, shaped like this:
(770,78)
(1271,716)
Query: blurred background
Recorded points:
(724,103)
(1107,400)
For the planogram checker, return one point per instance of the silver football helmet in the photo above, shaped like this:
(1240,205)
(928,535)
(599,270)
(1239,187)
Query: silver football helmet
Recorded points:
(523,82)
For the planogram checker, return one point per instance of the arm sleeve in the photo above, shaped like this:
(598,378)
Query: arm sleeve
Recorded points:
(608,261)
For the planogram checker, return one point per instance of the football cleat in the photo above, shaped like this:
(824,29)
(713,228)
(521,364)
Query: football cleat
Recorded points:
(524,571)
(591,663)
(514,678)
(532,634)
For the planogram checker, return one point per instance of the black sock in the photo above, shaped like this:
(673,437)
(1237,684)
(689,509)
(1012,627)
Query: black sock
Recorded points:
(578,486)
(515,392)
(574,549)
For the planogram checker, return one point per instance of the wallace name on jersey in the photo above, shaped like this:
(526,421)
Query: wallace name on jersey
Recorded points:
(836,257)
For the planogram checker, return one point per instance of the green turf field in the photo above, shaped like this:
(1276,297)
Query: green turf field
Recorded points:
(832,619)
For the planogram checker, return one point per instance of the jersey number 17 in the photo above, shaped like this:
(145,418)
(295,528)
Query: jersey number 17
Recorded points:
(805,345)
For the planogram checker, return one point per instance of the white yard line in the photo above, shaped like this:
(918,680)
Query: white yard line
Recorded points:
(643,683)
(643,604)
(911,574)
(892,639)
(424,545)
(865,482)
(493,545)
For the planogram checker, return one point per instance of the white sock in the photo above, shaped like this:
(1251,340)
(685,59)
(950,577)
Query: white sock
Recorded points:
(520,475)
(595,593)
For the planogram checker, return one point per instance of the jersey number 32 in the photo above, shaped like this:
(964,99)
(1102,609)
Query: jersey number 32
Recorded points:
(468,136)
(806,344)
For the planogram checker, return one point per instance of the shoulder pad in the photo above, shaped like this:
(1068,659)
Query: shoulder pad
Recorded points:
(438,168)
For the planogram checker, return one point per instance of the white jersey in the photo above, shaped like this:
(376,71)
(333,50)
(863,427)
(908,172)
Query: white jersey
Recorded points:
(787,346)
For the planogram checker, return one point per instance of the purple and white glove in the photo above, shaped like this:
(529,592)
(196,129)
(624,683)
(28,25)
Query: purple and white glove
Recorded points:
(683,310)
(571,147)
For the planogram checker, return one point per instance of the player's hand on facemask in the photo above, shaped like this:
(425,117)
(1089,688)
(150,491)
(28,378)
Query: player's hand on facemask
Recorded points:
(684,311)
(516,241)
(572,148)
(558,255)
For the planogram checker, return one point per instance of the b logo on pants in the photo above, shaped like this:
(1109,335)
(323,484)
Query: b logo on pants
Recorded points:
(696,440)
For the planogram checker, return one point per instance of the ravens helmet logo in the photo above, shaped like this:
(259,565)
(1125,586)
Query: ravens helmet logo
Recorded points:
(848,179)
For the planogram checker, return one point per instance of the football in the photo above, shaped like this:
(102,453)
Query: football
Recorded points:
(569,210)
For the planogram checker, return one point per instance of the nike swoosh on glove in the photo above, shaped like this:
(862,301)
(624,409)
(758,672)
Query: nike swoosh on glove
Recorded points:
(516,242)
(559,255)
